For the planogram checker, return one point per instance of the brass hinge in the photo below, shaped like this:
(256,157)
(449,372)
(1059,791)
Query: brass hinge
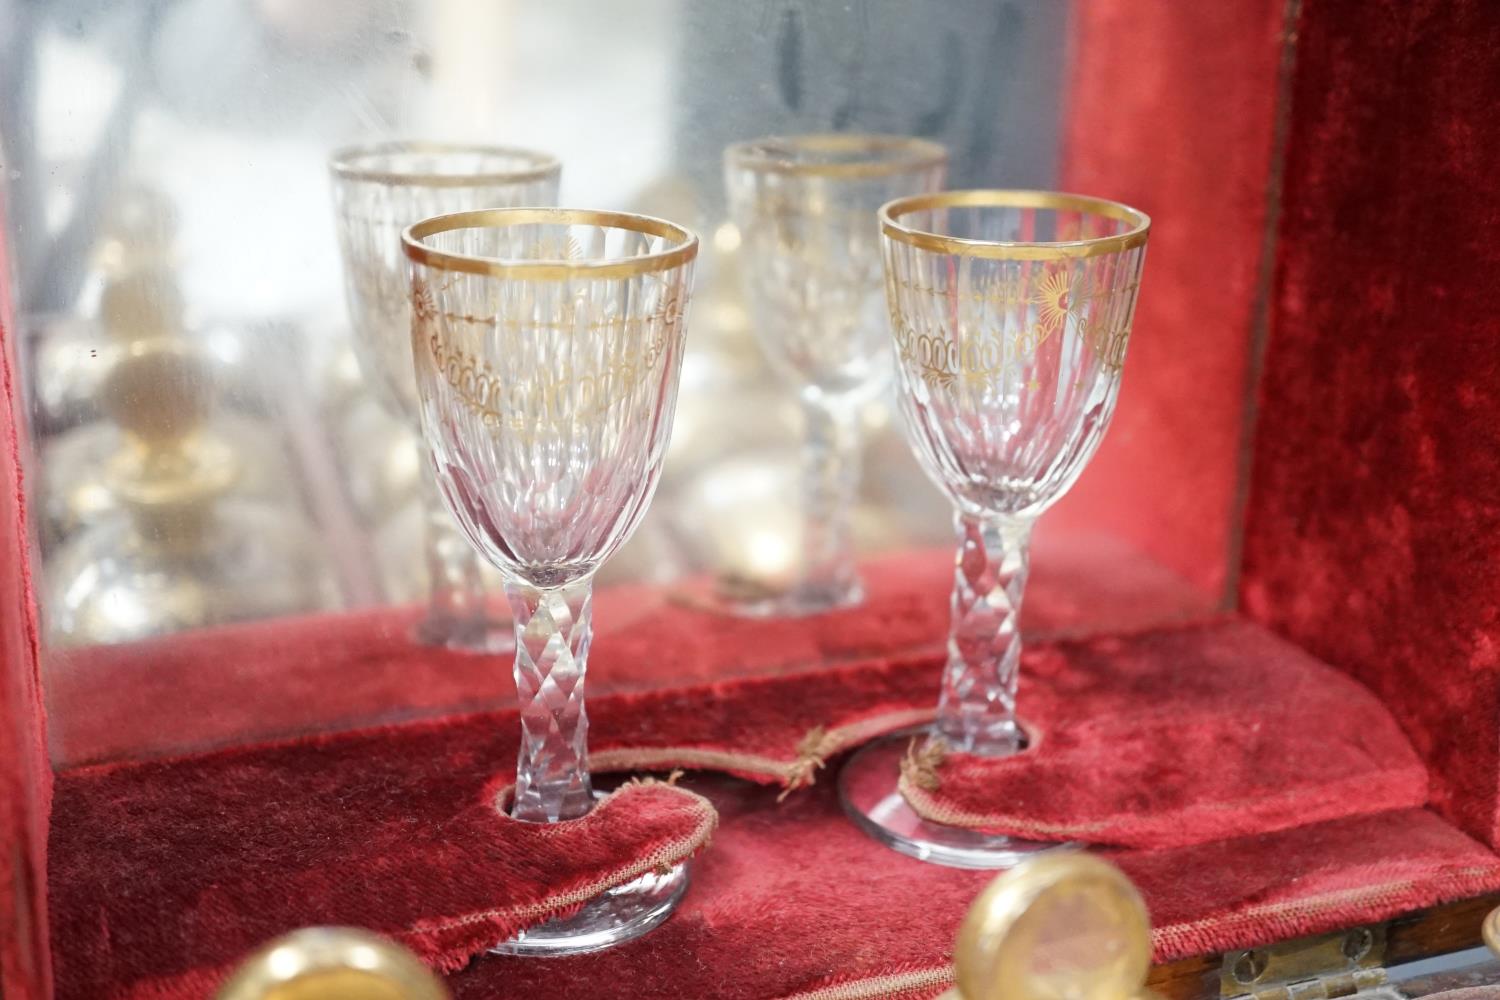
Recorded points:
(1344,964)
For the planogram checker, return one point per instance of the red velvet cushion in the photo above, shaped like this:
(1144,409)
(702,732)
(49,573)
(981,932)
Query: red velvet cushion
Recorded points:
(162,872)
(1178,737)
(1373,535)
(791,897)
(165,874)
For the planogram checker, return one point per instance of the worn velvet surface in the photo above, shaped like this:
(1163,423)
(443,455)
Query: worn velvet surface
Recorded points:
(165,874)
(1373,531)
(1178,736)
(792,898)
(162,872)
(789,896)
(291,677)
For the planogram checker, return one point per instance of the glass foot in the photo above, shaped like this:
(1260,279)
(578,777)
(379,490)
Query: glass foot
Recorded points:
(466,636)
(798,601)
(868,790)
(619,915)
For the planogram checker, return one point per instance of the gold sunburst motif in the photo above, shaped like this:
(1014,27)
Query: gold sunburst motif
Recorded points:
(1053,298)
(423,304)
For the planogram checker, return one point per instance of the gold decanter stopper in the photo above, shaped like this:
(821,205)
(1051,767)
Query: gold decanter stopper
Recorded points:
(332,963)
(1061,927)
(179,544)
(160,393)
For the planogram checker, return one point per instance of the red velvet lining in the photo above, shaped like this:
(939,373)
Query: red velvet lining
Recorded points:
(792,897)
(391,828)
(295,676)
(789,896)
(165,874)
(25,777)
(1178,737)
(1171,108)
(1373,532)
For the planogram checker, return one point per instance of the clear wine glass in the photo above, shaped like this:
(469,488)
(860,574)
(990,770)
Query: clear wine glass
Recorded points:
(547,346)
(379,190)
(1011,312)
(805,206)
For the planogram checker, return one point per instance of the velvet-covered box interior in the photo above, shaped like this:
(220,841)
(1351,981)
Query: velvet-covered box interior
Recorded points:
(1270,691)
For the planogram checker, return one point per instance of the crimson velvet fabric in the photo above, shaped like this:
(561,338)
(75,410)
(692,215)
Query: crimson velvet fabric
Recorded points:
(153,892)
(1171,108)
(1179,736)
(792,899)
(1373,530)
(163,872)
(280,679)
(25,777)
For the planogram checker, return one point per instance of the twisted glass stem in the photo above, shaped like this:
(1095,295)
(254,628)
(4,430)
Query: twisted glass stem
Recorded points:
(456,613)
(553,630)
(830,488)
(977,708)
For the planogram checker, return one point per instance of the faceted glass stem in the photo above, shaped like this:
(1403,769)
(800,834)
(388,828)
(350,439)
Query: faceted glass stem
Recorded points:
(977,708)
(830,489)
(456,612)
(553,630)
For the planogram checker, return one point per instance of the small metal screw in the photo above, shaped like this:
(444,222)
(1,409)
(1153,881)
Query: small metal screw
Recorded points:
(1250,967)
(1358,944)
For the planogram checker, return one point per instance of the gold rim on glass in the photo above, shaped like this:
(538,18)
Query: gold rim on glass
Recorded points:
(345,163)
(1139,222)
(885,154)
(684,248)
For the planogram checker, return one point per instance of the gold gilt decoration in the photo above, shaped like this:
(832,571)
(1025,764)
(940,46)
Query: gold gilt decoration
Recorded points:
(1053,299)
(982,354)
(521,405)
(562,248)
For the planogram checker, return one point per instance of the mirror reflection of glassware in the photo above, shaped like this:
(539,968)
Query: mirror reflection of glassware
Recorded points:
(1011,311)
(548,346)
(379,190)
(181,550)
(138,306)
(805,207)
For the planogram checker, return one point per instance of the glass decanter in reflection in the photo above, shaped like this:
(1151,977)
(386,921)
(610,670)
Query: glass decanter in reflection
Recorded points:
(136,307)
(181,549)
(137,235)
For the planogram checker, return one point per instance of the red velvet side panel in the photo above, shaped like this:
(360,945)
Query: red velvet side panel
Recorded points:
(25,777)
(1172,110)
(1373,530)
